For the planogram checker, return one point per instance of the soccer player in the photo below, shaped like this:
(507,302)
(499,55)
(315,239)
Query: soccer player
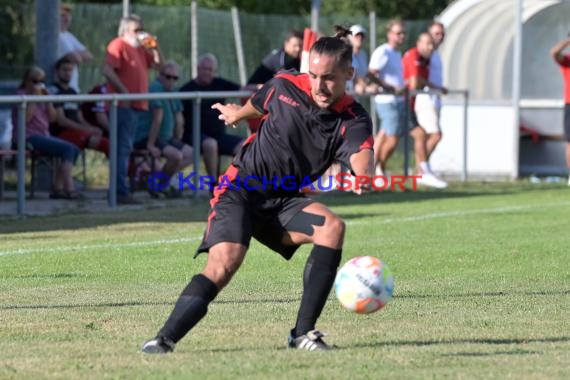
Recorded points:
(309,122)
(563,60)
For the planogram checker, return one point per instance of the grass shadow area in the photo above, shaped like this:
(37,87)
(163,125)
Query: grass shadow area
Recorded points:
(193,212)
(458,190)
(197,211)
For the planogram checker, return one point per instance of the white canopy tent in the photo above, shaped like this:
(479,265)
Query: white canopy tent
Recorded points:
(479,54)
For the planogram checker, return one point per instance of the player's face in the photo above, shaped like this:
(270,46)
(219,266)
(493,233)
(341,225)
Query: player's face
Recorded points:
(328,79)
(397,35)
(357,40)
(65,19)
(169,76)
(293,47)
(425,46)
(206,72)
(437,33)
(65,72)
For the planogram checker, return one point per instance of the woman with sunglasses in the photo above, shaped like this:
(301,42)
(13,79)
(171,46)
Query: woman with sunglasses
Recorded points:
(38,118)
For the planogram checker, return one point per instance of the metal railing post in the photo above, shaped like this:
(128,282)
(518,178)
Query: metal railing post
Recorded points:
(112,200)
(22,159)
(406,133)
(464,174)
(196,104)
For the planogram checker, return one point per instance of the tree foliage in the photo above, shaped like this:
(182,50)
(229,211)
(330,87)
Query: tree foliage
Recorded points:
(406,9)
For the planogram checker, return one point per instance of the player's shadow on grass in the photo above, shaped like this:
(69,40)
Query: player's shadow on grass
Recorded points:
(485,294)
(516,351)
(141,303)
(347,198)
(488,341)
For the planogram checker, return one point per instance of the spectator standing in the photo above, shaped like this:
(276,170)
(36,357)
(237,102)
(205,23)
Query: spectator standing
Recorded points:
(214,139)
(128,59)
(161,127)
(286,58)
(69,45)
(38,118)
(359,60)
(563,60)
(69,124)
(428,106)
(416,74)
(385,70)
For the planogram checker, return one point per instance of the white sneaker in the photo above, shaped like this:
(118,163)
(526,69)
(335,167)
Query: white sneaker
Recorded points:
(378,170)
(569,180)
(429,179)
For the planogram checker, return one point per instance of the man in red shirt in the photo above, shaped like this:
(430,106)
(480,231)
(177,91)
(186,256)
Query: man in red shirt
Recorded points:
(415,64)
(126,70)
(564,61)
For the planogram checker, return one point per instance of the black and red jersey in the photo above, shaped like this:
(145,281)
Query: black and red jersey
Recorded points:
(297,138)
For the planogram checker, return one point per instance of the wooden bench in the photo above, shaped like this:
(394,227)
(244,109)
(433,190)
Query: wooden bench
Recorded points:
(35,157)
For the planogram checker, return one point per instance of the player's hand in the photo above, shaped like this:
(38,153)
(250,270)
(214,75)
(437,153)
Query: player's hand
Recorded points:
(94,130)
(362,189)
(228,113)
(153,150)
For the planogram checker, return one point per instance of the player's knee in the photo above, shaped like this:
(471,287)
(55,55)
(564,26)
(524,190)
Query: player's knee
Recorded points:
(418,133)
(436,137)
(210,147)
(335,228)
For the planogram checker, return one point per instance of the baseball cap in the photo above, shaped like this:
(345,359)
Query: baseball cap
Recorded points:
(355,29)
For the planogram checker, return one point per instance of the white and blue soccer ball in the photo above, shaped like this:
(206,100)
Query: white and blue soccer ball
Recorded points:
(364,284)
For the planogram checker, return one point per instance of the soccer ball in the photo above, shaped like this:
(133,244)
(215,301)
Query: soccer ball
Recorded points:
(364,284)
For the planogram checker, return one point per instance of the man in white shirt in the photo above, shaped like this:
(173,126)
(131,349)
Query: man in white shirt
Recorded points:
(385,69)
(69,45)
(428,107)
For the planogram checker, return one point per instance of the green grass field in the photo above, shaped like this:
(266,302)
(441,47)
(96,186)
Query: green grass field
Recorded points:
(482,291)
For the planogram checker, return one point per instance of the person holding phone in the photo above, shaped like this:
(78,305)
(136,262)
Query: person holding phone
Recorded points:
(38,118)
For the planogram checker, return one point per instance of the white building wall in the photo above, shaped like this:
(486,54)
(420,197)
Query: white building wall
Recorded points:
(490,147)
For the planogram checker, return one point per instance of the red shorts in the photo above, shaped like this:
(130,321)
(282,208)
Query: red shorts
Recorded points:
(77,137)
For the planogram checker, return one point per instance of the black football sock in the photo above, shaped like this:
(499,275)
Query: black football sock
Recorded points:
(191,307)
(318,278)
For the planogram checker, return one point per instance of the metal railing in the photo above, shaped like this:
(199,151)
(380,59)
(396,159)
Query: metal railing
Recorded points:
(196,97)
(113,99)
(465,95)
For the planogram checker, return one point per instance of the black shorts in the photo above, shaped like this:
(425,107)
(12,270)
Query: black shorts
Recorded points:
(237,215)
(567,122)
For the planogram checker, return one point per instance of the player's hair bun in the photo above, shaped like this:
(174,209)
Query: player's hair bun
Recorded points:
(341,32)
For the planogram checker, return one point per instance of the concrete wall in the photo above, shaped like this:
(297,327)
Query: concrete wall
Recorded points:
(490,146)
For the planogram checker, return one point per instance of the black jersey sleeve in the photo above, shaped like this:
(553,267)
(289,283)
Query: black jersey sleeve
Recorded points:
(262,97)
(357,135)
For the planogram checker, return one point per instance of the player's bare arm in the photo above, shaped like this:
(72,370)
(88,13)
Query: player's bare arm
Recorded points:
(232,114)
(556,51)
(362,164)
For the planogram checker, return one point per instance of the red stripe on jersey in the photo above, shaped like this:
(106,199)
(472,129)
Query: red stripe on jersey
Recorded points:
(301,81)
(342,104)
(268,97)
(367,144)
(249,139)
